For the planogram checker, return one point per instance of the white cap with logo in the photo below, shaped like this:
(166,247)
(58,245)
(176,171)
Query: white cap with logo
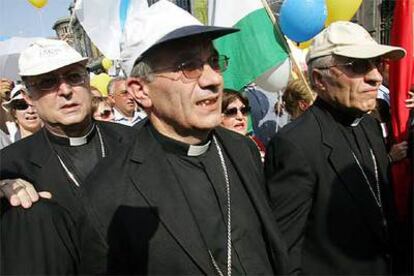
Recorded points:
(348,39)
(46,55)
(160,23)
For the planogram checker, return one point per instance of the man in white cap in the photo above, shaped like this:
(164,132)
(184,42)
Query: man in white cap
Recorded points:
(189,198)
(56,159)
(327,171)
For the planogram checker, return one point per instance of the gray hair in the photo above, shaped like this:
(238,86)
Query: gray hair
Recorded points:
(143,69)
(320,62)
(110,86)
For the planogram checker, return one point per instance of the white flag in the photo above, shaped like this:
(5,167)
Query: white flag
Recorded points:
(100,20)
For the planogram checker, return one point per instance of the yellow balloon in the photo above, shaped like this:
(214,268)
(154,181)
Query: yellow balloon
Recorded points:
(100,82)
(38,3)
(341,10)
(106,63)
(305,44)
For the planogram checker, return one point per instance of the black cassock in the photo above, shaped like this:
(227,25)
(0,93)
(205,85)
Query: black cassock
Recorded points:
(44,239)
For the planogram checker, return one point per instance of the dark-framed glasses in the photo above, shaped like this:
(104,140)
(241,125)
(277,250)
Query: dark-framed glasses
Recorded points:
(231,112)
(105,114)
(193,68)
(20,105)
(51,82)
(359,66)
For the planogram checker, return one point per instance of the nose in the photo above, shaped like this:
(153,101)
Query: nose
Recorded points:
(64,89)
(31,109)
(239,115)
(373,76)
(210,79)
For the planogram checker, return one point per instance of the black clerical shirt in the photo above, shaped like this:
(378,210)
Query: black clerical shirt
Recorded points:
(78,159)
(202,180)
(358,142)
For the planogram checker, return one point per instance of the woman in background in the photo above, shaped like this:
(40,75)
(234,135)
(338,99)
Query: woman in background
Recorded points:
(26,121)
(297,98)
(102,110)
(234,111)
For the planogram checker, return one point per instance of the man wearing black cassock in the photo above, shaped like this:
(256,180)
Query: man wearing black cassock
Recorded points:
(57,159)
(189,196)
(327,171)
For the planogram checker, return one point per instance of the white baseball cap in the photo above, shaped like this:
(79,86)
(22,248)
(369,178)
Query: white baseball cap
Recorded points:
(15,94)
(160,23)
(348,39)
(46,55)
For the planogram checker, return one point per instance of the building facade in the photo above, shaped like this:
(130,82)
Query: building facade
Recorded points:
(64,31)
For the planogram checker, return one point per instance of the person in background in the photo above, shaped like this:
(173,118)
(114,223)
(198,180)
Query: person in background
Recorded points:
(95,92)
(234,115)
(396,151)
(102,110)
(409,103)
(297,98)
(24,115)
(6,87)
(125,107)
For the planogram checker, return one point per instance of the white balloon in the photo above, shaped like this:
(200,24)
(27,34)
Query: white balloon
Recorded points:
(276,78)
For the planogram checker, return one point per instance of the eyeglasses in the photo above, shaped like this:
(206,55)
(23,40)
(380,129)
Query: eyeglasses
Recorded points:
(105,113)
(20,105)
(231,112)
(359,66)
(51,82)
(193,68)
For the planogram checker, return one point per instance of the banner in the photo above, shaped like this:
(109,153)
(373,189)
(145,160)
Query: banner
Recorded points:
(255,49)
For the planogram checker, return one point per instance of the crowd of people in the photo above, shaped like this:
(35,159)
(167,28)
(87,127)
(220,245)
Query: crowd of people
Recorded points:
(163,177)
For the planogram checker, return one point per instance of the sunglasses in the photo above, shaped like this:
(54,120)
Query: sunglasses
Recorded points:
(20,105)
(105,113)
(51,82)
(360,66)
(193,68)
(231,112)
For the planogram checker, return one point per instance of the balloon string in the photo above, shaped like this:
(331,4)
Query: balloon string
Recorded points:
(286,44)
(42,27)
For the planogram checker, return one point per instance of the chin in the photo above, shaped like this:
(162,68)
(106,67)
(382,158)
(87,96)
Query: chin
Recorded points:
(208,121)
(73,119)
(240,131)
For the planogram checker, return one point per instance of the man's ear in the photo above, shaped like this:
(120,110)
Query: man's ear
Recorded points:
(138,88)
(319,81)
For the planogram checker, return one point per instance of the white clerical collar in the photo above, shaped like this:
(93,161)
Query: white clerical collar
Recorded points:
(197,150)
(79,141)
(73,141)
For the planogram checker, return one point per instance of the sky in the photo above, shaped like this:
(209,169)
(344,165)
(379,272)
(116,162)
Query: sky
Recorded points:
(20,18)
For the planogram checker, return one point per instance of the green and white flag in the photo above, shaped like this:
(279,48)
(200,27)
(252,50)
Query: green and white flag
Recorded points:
(252,51)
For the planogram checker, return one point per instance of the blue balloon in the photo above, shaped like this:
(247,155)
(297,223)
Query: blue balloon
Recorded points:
(4,37)
(300,20)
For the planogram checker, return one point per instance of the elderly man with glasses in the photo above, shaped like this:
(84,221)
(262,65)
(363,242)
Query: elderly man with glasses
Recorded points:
(56,159)
(189,198)
(327,171)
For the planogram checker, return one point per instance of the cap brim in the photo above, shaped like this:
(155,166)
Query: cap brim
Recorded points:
(211,32)
(371,51)
(7,105)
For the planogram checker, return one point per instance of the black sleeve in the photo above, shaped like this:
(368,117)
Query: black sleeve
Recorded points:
(290,184)
(40,240)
